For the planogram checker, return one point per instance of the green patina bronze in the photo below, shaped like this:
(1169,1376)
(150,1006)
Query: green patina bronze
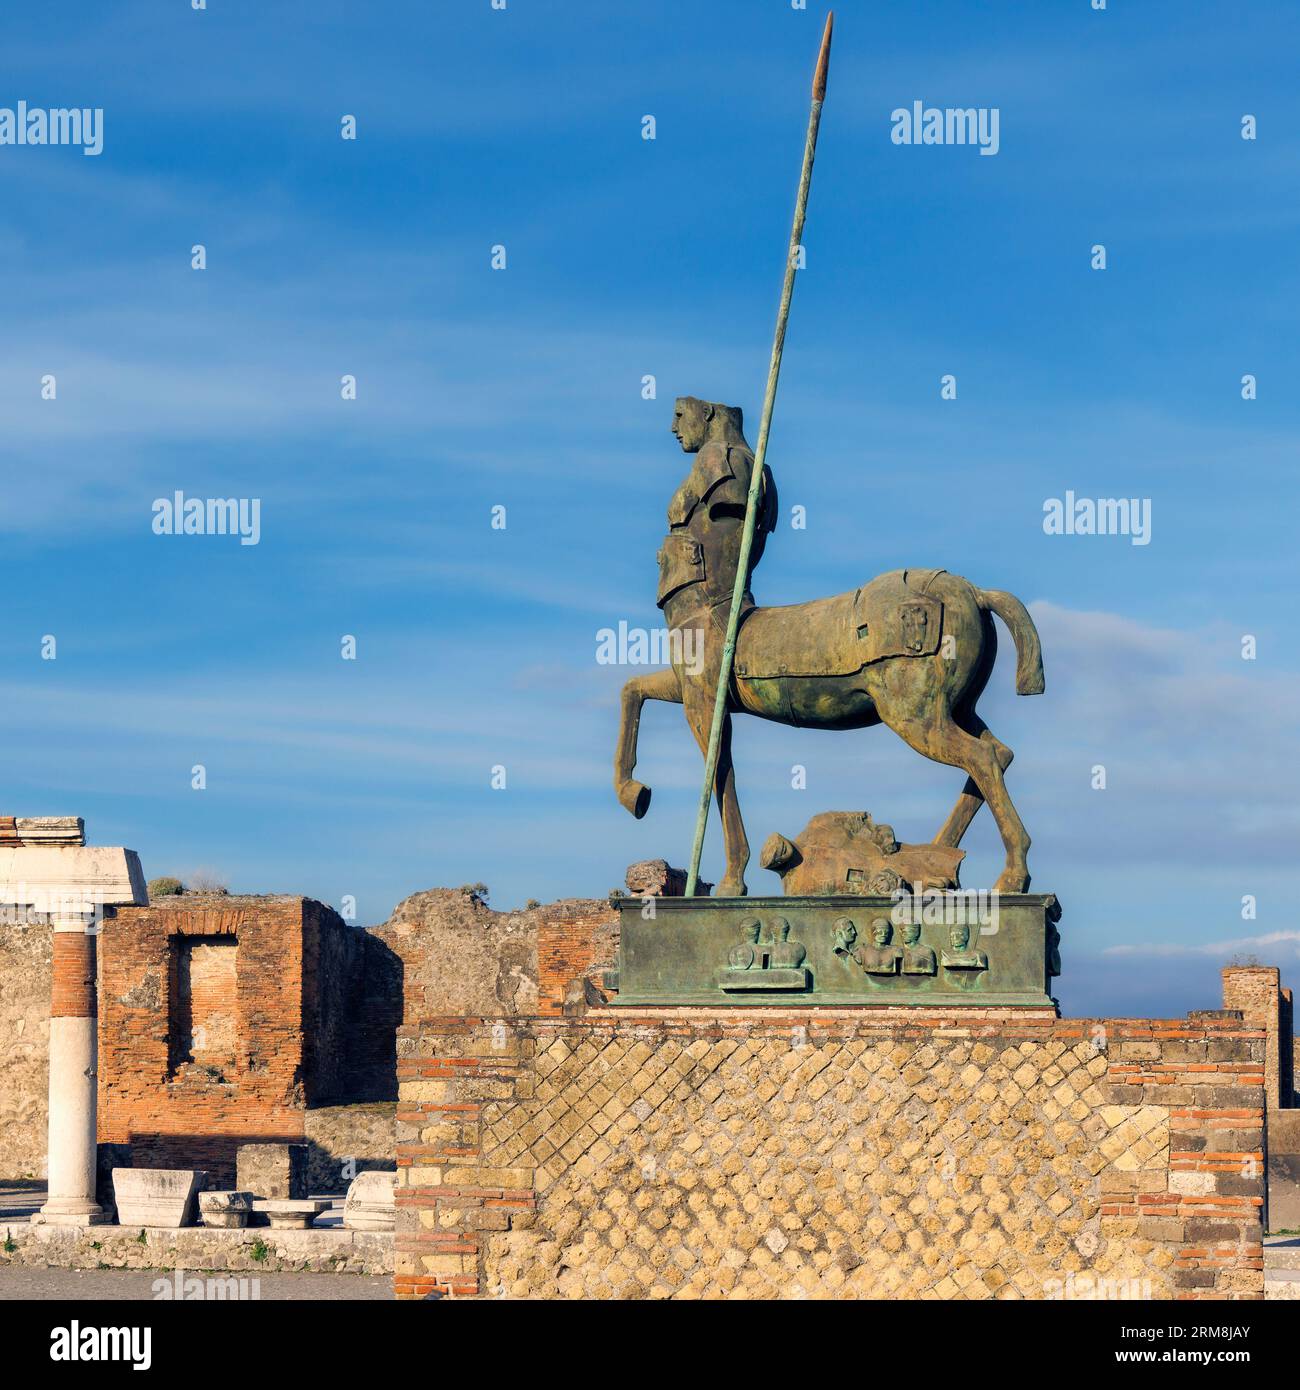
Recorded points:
(912,649)
(940,950)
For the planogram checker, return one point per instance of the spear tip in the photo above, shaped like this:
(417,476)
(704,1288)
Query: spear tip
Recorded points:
(823,61)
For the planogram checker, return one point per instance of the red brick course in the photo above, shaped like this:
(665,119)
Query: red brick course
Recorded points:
(72,989)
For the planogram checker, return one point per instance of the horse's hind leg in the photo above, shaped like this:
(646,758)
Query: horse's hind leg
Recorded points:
(947,742)
(971,798)
(659,685)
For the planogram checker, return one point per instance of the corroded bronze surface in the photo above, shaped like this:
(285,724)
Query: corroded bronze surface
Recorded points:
(939,950)
(847,852)
(912,649)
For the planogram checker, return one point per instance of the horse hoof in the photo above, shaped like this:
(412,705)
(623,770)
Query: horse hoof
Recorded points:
(1012,881)
(777,853)
(635,797)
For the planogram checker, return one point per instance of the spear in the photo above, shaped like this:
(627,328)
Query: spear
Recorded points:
(760,455)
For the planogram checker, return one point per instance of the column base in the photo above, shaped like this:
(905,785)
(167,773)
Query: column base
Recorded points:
(71,1213)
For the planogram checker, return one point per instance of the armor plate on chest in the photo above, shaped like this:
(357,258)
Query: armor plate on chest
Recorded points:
(681,562)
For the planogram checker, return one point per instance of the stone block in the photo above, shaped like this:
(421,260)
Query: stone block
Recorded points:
(1192,1184)
(1208,1231)
(50,830)
(1284,1170)
(292,1216)
(276,1172)
(226,1210)
(1166,1228)
(656,878)
(63,879)
(161,1197)
(370,1204)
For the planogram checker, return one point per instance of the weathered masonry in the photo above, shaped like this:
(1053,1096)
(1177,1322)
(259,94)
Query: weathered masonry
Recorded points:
(846,1154)
(228,1020)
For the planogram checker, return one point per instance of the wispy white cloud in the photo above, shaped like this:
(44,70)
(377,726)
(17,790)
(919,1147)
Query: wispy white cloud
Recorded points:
(1274,947)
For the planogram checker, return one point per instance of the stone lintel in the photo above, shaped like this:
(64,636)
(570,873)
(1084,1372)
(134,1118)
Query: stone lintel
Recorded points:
(68,880)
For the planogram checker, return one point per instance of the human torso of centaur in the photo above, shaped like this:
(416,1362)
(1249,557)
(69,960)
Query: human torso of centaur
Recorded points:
(706,518)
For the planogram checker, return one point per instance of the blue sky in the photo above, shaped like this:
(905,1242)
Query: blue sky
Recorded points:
(522,388)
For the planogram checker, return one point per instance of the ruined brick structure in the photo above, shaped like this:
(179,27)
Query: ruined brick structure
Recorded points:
(551,1145)
(848,1154)
(577,942)
(1256,991)
(223,1019)
(228,1018)
(460,957)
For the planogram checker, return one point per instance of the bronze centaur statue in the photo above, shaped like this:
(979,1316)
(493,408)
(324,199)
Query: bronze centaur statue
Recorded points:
(912,649)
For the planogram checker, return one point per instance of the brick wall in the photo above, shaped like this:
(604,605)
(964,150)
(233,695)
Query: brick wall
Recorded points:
(333,962)
(323,1031)
(577,941)
(841,1154)
(372,1009)
(179,1108)
(1286,1051)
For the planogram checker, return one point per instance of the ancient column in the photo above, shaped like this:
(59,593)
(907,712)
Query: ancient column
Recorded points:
(49,878)
(73,1066)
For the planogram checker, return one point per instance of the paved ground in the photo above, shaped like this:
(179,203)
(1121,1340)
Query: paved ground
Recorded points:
(18,1201)
(1282,1267)
(135,1284)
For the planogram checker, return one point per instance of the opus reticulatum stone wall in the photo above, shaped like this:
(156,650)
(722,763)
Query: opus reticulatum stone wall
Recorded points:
(845,1154)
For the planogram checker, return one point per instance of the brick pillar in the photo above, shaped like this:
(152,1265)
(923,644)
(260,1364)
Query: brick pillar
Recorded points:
(1256,991)
(1286,1051)
(449,1202)
(73,1028)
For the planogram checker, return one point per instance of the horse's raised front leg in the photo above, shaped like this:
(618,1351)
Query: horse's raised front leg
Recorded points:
(659,685)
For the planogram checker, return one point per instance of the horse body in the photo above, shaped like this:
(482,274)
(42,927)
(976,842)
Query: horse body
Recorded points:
(912,649)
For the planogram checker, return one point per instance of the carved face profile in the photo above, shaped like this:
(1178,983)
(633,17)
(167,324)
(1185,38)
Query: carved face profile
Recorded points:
(960,937)
(846,934)
(689,422)
(696,421)
(911,933)
(881,932)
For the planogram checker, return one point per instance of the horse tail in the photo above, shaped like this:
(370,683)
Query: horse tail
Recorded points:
(1029,653)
